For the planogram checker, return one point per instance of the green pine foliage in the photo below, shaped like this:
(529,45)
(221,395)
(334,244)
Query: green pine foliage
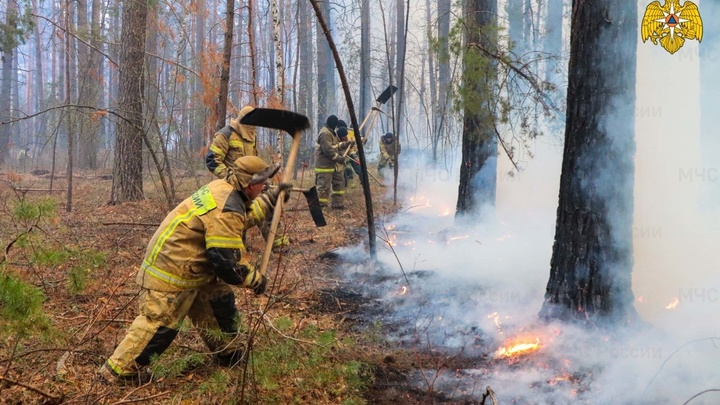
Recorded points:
(21,312)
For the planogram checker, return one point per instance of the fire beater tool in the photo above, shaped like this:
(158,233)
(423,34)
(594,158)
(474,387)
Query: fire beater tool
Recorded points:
(294,124)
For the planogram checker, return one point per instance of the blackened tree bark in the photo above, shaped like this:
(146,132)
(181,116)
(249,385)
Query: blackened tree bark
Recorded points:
(590,270)
(128,168)
(478,176)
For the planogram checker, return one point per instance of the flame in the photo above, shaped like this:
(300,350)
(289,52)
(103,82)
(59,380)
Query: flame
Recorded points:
(496,318)
(390,227)
(563,377)
(641,299)
(445,213)
(403,290)
(518,349)
(673,304)
(458,238)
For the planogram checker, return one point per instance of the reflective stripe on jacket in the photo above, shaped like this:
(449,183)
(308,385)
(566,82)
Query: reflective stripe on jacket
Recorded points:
(214,216)
(228,144)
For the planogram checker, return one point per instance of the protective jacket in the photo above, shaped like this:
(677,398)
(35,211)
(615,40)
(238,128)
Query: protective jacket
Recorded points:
(202,239)
(229,143)
(387,151)
(326,150)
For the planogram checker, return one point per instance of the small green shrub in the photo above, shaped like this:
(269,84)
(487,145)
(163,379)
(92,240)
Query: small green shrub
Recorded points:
(21,311)
(31,210)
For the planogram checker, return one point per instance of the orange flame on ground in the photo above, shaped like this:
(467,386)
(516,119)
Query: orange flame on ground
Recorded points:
(675,302)
(518,349)
(403,290)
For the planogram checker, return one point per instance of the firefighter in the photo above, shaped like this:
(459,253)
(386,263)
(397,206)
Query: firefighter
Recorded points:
(353,165)
(229,143)
(191,261)
(330,165)
(387,151)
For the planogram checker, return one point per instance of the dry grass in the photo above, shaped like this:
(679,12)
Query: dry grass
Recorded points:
(83,262)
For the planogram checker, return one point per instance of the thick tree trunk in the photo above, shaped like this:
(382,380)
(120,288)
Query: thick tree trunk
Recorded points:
(6,87)
(127,173)
(590,271)
(478,177)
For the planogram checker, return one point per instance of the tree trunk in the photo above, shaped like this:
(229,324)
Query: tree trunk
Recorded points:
(592,260)
(478,172)
(128,169)
(442,107)
(325,71)
(253,58)
(279,73)
(199,116)
(306,98)
(88,83)
(6,85)
(221,108)
(365,61)
(69,115)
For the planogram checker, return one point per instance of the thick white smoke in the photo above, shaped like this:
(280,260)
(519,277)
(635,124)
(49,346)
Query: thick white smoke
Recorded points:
(472,286)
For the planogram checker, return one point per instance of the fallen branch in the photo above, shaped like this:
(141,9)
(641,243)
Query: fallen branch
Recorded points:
(130,224)
(489,393)
(130,401)
(700,393)
(51,398)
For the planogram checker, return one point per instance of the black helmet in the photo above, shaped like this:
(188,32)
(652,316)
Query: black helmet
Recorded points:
(341,132)
(388,137)
(341,123)
(331,122)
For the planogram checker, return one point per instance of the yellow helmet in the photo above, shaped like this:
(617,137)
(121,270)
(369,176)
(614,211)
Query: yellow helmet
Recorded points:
(249,170)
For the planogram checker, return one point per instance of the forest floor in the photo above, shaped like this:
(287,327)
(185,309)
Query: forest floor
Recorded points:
(314,338)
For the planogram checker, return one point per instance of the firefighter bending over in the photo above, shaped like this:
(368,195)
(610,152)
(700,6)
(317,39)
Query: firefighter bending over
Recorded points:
(190,263)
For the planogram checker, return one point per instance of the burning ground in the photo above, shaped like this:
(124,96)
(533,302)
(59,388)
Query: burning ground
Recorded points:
(459,304)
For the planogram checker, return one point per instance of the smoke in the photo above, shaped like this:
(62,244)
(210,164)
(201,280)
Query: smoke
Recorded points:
(468,288)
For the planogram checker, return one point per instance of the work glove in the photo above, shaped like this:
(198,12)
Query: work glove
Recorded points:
(274,192)
(344,145)
(341,159)
(261,287)
(253,280)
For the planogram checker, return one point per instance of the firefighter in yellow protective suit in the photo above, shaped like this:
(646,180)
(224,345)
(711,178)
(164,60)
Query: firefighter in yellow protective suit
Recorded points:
(387,151)
(231,142)
(330,165)
(190,263)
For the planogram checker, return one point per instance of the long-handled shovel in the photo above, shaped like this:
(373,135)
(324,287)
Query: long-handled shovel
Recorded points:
(293,124)
(380,100)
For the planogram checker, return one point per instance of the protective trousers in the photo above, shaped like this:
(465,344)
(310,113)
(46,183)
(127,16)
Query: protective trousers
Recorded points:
(331,180)
(210,308)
